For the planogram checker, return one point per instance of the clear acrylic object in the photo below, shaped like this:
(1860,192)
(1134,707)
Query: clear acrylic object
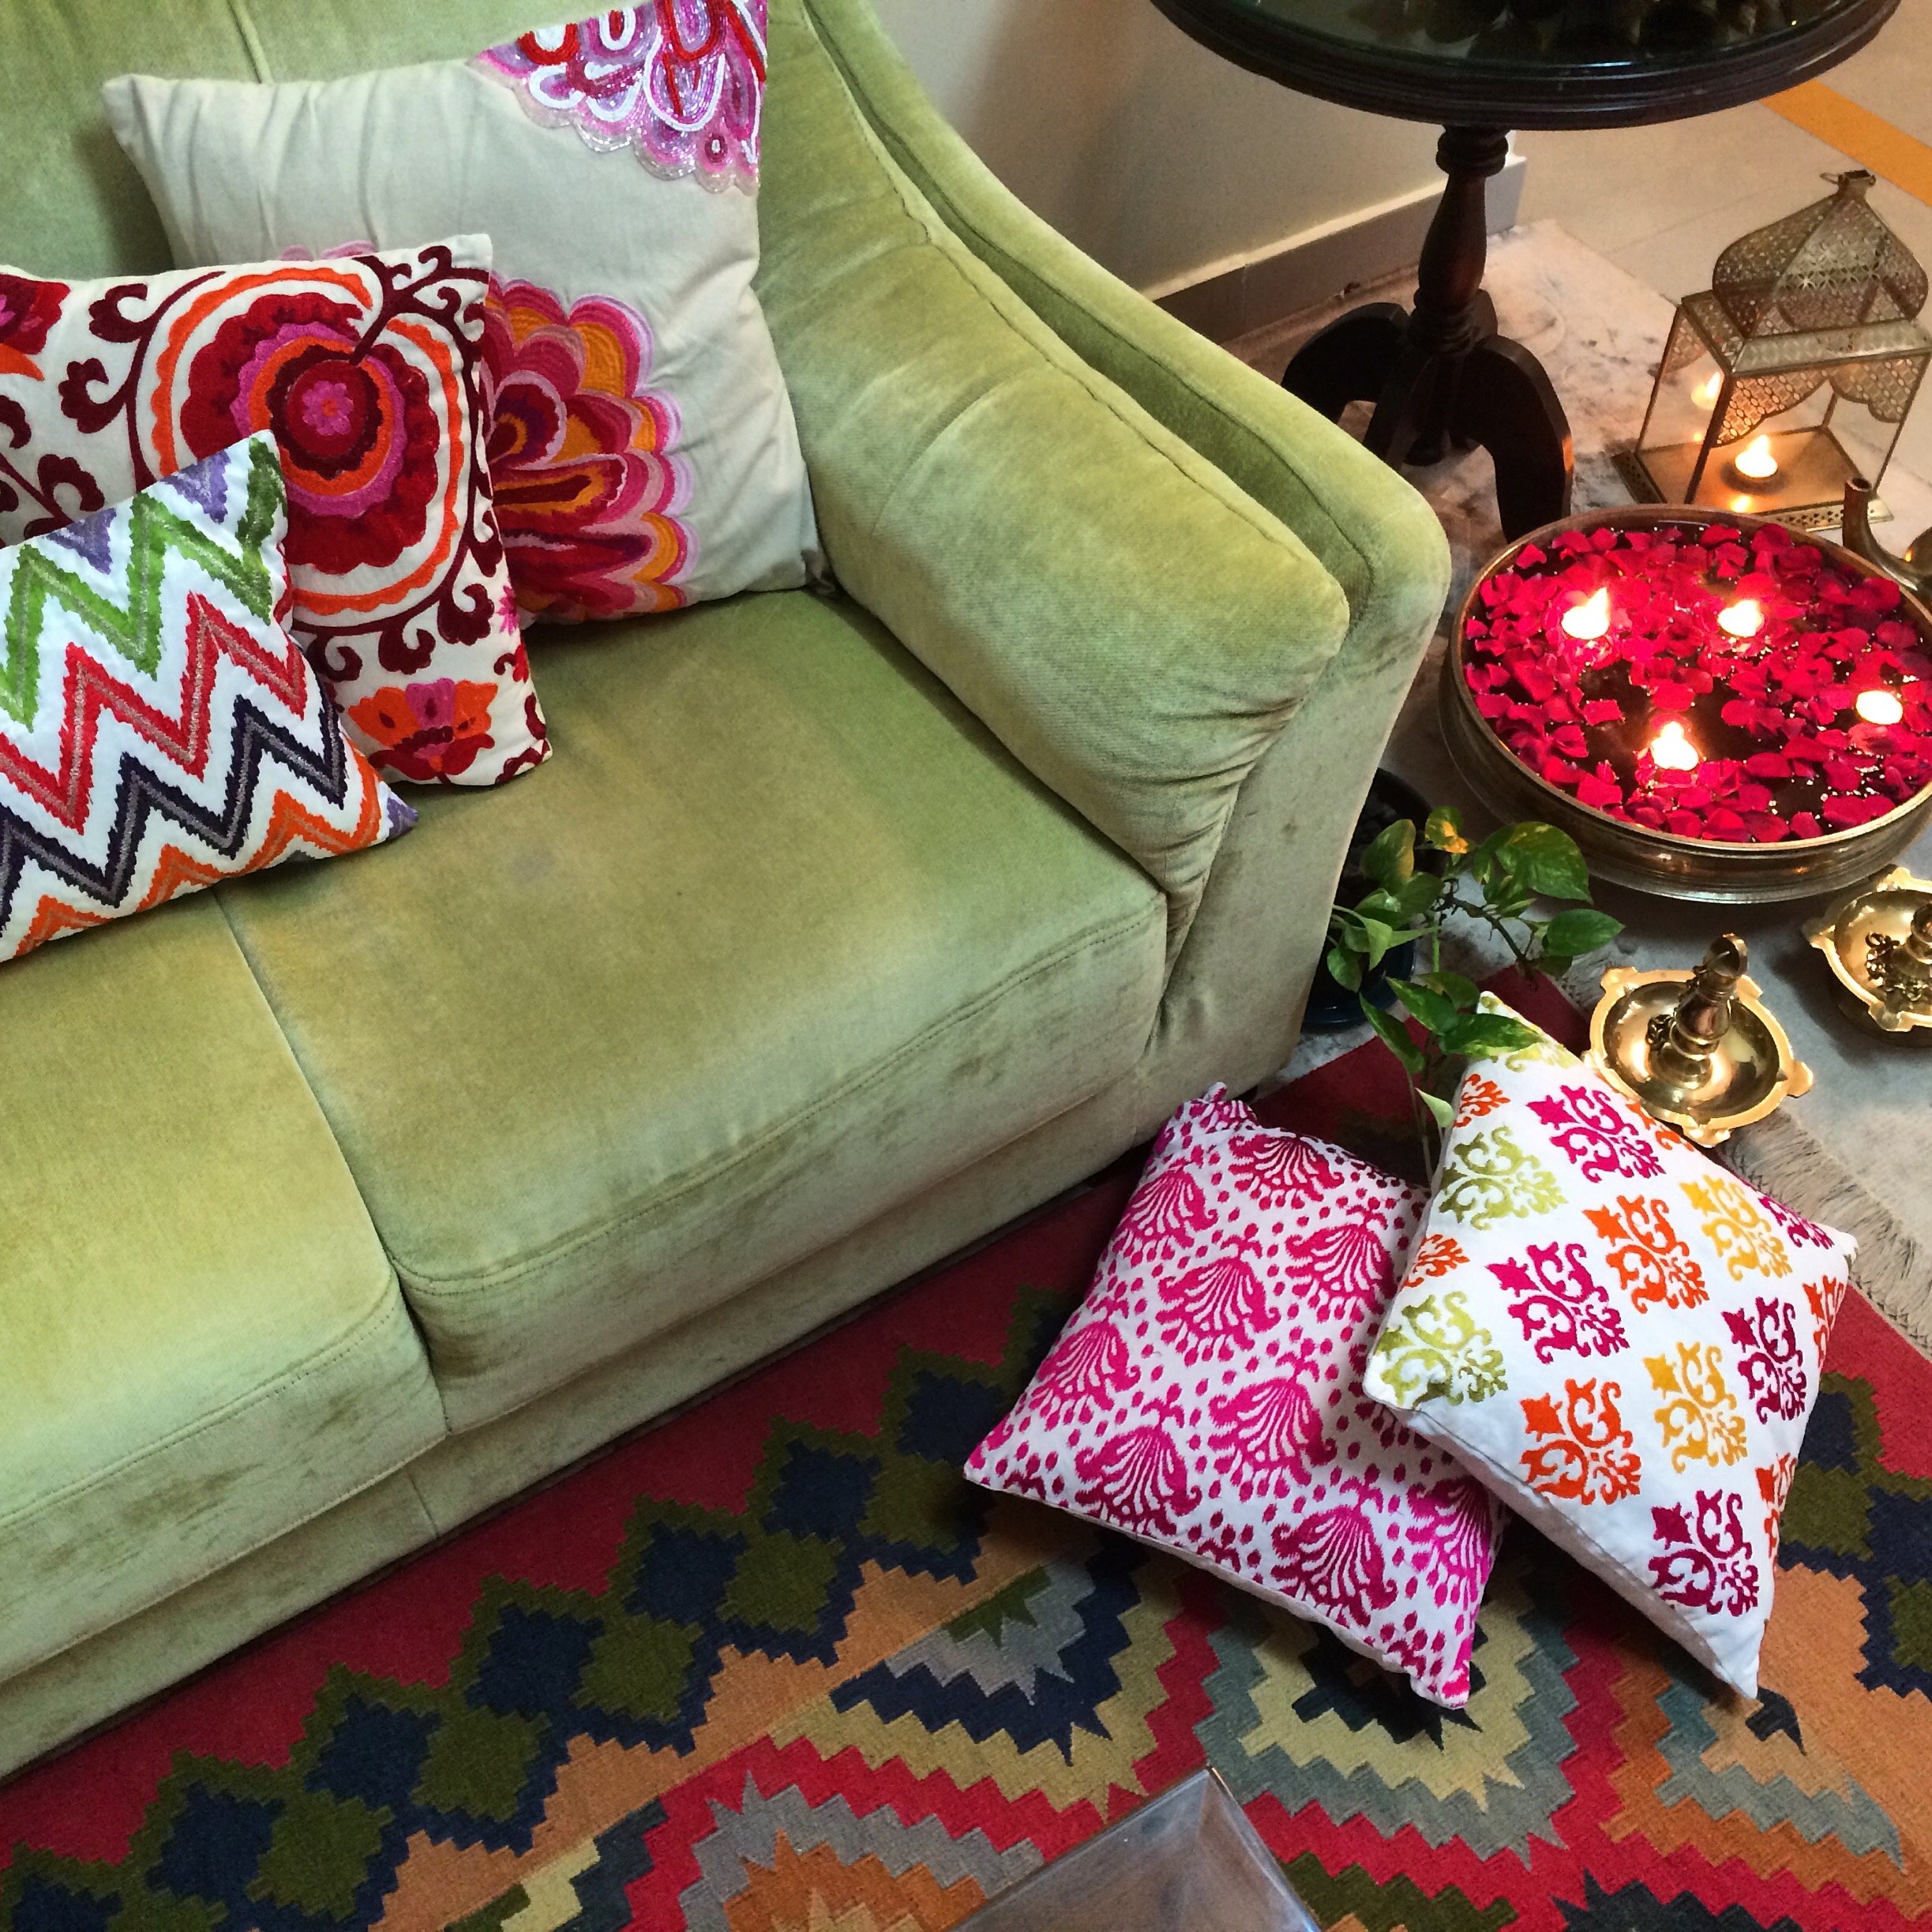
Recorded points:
(1187,1861)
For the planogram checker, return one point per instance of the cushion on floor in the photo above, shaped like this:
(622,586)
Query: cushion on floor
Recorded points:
(778,937)
(200,1340)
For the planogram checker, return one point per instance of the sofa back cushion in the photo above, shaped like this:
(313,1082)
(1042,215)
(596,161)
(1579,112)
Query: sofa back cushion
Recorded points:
(74,206)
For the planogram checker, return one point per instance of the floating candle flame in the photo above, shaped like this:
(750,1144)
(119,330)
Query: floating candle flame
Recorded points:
(1756,461)
(1880,708)
(1709,391)
(1742,619)
(1671,751)
(1590,620)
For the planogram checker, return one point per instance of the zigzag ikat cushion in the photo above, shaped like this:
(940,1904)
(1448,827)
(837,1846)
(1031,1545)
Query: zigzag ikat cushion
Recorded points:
(1206,1396)
(159,729)
(642,445)
(368,371)
(1620,1337)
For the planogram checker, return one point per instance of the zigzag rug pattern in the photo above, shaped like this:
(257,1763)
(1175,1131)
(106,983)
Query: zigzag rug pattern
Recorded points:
(178,700)
(776,1665)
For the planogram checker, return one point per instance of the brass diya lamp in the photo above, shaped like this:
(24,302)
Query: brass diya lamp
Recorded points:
(1877,942)
(1696,1050)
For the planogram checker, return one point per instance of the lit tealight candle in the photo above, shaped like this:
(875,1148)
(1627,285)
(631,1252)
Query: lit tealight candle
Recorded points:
(1742,619)
(1671,751)
(1755,462)
(1590,620)
(1879,707)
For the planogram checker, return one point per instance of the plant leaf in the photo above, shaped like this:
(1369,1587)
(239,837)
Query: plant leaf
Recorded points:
(1579,930)
(1444,830)
(1381,936)
(1434,1010)
(1394,1036)
(1475,1035)
(1439,1109)
(1386,907)
(1544,859)
(1419,892)
(1453,987)
(1344,968)
(1390,857)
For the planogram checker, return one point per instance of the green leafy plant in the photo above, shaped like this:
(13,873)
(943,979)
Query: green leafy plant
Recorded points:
(1506,883)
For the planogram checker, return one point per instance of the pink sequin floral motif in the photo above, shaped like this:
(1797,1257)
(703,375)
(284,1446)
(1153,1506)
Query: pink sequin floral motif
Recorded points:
(681,83)
(1705,1564)
(1089,1367)
(1140,1480)
(1281,1170)
(1222,1300)
(1335,1558)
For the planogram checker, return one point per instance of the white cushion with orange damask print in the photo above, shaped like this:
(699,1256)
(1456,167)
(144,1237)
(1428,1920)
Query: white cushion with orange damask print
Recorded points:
(1206,1396)
(1621,1338)
(642,445)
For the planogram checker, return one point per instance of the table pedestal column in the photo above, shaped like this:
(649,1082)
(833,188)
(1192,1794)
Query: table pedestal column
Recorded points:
(1439,375)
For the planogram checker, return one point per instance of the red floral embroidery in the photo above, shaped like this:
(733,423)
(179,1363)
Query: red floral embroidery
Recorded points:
(1558,1304)
(1221,1301)
(1139,1478)
(1826,1297)
(427,730)
(1652,1262)
(1478,1097)
(1167,1207)
(587,487)
(28,310)
(1437,1255)
(1705,1565)
(1334,1558)
(1088,1368)
(1341,1271)
(1273,1428)
(1281,1170)
(1584,1453)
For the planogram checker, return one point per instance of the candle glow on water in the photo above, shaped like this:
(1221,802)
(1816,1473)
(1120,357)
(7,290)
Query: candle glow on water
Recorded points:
(1671,751)
(1590,620)
(1743,619)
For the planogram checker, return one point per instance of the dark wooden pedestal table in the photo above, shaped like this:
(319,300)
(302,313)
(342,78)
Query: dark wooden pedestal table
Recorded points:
(1439,375)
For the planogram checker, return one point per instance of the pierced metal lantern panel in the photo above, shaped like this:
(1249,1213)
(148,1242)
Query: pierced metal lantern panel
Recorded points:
(1793,372)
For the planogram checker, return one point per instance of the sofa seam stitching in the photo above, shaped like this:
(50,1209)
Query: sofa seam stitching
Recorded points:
(414,1278)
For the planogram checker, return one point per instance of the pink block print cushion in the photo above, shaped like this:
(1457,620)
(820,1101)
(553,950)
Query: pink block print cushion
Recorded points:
(368,370)
(642,445)
(1621,1338)
(1206,1396)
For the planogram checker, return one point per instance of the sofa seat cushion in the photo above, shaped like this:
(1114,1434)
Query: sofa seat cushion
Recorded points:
(202,1340)
(779,936)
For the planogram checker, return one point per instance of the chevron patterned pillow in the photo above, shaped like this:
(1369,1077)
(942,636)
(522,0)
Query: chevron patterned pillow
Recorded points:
(159,729)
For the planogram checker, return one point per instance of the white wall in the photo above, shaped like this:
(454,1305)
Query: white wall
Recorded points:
(1161,160)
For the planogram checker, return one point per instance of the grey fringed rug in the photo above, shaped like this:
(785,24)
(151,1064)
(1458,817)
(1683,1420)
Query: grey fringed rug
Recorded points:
(1857,1151)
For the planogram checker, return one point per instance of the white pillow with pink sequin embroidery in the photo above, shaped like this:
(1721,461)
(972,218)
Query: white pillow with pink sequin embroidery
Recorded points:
(1206,1396)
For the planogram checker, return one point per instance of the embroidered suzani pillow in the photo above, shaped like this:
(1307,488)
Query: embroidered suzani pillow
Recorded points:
(159,729)
(1206,1396)
(368,370)
(642,446)
(1620,1336)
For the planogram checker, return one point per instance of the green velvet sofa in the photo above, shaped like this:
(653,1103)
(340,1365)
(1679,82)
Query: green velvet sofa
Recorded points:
(339,1204)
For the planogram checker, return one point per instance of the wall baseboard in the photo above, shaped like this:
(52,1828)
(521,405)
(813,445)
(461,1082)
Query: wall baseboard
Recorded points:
(1234,299)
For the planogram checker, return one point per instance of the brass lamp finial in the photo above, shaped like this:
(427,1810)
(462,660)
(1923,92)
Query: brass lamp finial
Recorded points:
(1684,1040)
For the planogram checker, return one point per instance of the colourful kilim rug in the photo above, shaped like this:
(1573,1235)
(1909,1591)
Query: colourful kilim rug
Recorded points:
(774,1665)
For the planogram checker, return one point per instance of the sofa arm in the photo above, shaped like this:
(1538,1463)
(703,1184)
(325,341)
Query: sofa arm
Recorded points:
(1373,534)
(1133,627)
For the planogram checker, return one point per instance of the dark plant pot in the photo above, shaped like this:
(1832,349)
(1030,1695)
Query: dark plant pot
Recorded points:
(1331,1005)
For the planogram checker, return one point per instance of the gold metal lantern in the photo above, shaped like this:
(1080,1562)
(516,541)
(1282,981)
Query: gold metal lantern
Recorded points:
(1792,374)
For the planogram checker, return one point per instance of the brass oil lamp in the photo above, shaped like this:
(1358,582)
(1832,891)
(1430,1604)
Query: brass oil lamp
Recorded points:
(1697,1050)
(1877,942)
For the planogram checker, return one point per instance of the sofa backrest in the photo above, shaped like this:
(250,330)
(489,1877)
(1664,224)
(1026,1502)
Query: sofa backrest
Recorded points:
(70,203)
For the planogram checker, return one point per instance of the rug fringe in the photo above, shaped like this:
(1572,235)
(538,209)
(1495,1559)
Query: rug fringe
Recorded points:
(1893,1268)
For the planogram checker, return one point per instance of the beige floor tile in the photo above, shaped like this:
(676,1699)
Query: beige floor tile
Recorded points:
(1893,76)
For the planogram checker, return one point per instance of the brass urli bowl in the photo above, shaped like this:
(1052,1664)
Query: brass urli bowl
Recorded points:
(1711,870)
